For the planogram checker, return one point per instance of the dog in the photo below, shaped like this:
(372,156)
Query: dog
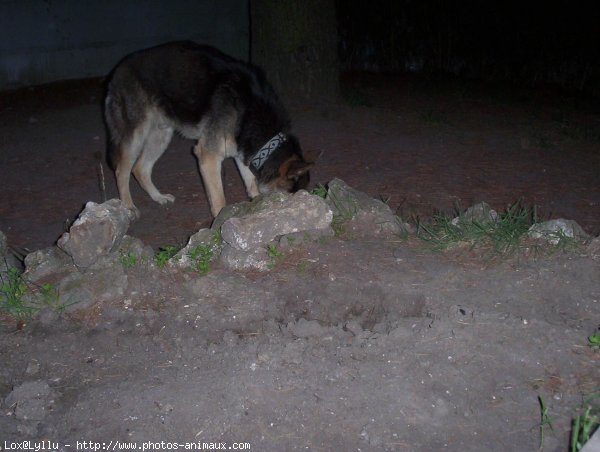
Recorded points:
(226,105)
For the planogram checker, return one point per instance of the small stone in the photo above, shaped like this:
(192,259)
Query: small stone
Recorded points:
(480,213)
(31,400)
(33,367)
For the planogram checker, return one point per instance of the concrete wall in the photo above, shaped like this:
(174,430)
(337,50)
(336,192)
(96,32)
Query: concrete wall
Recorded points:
(47,40)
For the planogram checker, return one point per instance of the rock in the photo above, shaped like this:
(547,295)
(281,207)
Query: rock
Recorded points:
(98,231)
(287,241)
(361,213)
(553,230)
(229,211)
(480,213)
(274,215)
(33,367)
(254,259)
(101,283)
(593,444)
(47,262)
(31,400)
(594,248)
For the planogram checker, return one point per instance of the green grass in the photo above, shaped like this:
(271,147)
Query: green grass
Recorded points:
(503,236)
(338,227)
(585,424)
(18,296)
(216,238)
(274,254)
(544,420)
(201,256)
(164,254)
(594,340)
(320,191)
(12,291)
(128,260)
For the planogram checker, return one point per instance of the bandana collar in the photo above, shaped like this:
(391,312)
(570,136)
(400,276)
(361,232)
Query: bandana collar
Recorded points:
(268,148)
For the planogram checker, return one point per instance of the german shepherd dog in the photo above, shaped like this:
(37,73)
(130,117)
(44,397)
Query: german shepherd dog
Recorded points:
(225,104)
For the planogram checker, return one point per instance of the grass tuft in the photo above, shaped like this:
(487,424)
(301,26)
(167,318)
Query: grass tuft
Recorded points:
(274,254)
(584,425)
(544,420)
(201,256)
(12,291)
(128,260)
(503,236)
(164,254)
(22,299)
(320,191)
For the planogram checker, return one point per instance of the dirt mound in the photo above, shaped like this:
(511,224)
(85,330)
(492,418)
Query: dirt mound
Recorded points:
(378,345)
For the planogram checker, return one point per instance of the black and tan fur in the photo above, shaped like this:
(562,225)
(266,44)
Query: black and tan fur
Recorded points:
(226,105)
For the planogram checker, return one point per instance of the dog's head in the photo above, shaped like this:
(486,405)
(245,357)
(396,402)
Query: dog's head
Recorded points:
(287,171)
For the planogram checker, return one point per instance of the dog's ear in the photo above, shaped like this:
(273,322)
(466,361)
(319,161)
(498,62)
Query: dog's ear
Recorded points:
(298,168)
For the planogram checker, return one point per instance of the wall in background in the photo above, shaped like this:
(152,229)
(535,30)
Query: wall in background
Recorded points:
(43,41)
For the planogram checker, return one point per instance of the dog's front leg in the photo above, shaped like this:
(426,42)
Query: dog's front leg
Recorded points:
(210,168)
(248,177)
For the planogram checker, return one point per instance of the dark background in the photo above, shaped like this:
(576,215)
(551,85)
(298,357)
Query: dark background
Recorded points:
(530,43)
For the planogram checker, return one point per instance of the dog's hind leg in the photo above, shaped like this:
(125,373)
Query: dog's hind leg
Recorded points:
(210,168)
(248,177)
(129,151)
(155,144)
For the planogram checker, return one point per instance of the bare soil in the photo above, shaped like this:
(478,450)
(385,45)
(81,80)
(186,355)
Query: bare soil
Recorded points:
(346,344)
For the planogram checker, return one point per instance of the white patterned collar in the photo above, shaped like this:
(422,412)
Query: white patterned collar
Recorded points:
(268,148)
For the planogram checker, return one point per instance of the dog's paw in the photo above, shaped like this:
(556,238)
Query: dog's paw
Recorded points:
(135,213)
(164,199)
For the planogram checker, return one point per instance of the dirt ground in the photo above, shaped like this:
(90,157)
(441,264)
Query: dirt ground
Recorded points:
(347,344)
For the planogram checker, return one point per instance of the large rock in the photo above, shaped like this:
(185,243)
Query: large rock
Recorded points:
(361,213)
(49,262)
(97,232)
(553,230)
(104,281)
(254,259)
(274,215)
